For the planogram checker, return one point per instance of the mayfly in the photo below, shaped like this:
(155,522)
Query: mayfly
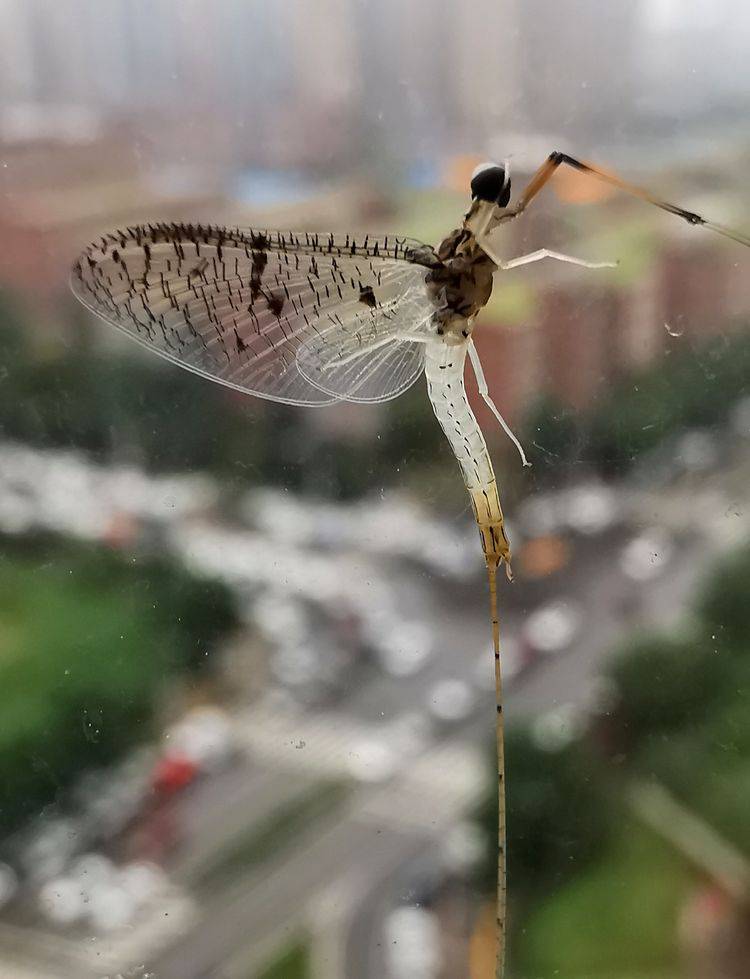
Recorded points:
(313,319)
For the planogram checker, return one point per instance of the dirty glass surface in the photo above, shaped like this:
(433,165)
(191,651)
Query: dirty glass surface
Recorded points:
(246,697)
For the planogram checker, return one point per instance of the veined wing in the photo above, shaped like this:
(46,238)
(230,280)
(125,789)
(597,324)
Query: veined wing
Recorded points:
(373,374)
(374,353)
(239,305)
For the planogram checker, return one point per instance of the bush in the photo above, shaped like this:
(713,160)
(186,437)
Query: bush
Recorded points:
(553,436)
(292,962)
(663,685)
(691,387)
(88,640)
(723,604)
(616,919)
(682,718)
(557,814)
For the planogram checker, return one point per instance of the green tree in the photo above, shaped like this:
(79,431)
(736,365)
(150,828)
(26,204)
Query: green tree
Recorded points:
(663,686)
(557,813)
(88,640)
(723,604)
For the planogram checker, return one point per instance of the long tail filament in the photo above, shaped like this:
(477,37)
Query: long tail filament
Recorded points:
(501,871)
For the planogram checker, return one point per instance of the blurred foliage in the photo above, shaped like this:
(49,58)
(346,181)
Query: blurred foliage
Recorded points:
(133,406)
(592,887)
(513,302)
(556,813)
(429,215)
(664,685)
(292,963)
(614,918)
(555,809)
(692,387)
(634,244)
(553,434)
(723,604)
(88,638)
(682,713)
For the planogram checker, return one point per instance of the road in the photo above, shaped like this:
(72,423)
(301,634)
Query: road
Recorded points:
(372,855)
(378,829)
(703,528)
(359,857)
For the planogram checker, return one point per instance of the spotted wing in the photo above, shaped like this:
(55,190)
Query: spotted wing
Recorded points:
(238,306)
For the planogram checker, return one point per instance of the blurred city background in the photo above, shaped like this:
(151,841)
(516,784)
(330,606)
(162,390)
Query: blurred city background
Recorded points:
(246,704)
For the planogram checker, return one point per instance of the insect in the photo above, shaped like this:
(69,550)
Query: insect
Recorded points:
(312,319)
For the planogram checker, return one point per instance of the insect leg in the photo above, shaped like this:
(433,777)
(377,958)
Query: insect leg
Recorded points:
(541,253)
(484,391)
(557,159)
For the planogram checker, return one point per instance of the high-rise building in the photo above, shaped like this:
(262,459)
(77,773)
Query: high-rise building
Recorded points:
(560,51)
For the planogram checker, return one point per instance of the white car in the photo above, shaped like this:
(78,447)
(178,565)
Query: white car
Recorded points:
(451,700)
(372,760)
(412,944)
(204,735)
(405,648)
(697,451)
(646,556)
(590,508)
(553,627)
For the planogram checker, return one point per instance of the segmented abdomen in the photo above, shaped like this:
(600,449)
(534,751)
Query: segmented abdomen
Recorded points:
(444,370)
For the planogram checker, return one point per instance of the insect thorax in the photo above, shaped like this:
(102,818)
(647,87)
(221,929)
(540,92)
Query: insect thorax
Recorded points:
(462,285)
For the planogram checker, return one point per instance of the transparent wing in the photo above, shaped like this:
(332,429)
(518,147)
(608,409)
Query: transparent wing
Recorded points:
(374,353)
(239,305)
(373,375)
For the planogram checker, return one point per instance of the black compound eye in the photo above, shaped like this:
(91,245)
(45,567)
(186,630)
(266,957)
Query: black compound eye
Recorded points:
(489,183)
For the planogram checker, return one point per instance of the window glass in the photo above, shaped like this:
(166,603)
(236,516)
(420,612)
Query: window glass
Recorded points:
(246,671)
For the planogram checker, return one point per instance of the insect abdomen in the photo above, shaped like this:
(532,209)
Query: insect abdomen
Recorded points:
(444,370)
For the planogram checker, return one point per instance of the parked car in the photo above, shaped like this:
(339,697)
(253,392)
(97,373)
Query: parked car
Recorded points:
(553,627)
